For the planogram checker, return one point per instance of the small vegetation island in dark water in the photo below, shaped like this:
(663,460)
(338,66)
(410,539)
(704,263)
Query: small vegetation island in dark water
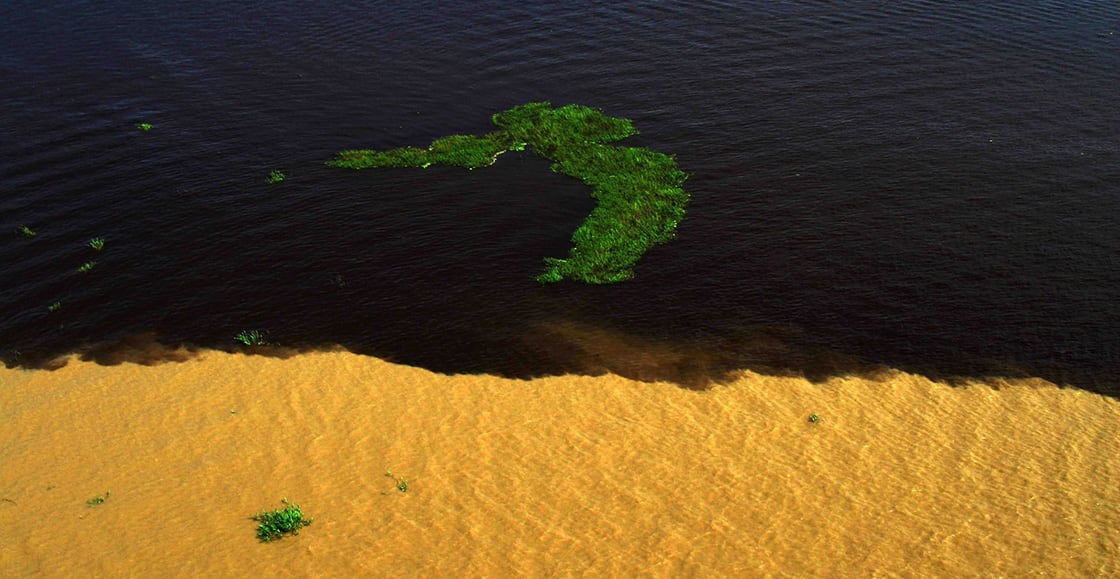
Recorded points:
(639,191)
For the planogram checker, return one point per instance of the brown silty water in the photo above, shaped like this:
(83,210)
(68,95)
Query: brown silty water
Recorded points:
(571,475)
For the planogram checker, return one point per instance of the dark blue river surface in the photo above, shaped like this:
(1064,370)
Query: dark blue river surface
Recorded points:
(929,186)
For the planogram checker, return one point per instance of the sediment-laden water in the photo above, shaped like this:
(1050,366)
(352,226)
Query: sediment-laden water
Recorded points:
(568,475)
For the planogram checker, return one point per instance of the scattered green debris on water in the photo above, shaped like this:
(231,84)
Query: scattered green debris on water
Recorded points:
(27,231)
(251,337)
(275,524)
(402,484)
(639,191)
(54,307)
(813,418)
(144,126)
(275,177)
(99,499)
(87,266)
(97,244)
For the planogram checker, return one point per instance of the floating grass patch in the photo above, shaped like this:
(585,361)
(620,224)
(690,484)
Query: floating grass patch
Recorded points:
(97,244)
(469,151)
(251,337)
(26,231)
(402,484)
(275,177)
(144,126)
(814,419)
(98,500)
(87,266)
(640,194)
(54,307)
(275,524)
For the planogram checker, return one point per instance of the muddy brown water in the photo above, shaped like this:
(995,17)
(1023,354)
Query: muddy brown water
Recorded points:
(560,476)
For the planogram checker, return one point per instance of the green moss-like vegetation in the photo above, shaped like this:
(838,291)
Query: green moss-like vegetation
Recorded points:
(640,194)
(144,126)
(275,177)
(275,524)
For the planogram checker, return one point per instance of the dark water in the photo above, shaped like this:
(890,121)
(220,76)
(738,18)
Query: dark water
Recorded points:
(932,186)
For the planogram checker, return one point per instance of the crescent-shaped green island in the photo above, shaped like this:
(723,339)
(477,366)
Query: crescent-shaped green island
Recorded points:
(639,193)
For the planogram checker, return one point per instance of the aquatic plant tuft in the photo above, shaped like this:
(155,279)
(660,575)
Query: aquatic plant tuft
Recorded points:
(402,484)
(98,500)
(251,337)
(275,524)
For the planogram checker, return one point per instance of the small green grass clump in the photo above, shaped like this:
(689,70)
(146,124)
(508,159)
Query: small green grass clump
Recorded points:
(87,266)
(97,244)
(251,337)
(27,231)
(99,499)
(813,418)
(640,194)
(402,484)
(275,177)
(144,126)
(54,307)
(275,524)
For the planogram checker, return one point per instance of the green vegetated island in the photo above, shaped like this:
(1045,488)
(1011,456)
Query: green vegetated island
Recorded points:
(639,191)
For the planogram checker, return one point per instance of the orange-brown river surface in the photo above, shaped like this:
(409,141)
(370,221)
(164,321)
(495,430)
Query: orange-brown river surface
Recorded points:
(573,475)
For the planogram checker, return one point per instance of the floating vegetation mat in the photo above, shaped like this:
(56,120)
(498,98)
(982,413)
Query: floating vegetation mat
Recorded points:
(639,191)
